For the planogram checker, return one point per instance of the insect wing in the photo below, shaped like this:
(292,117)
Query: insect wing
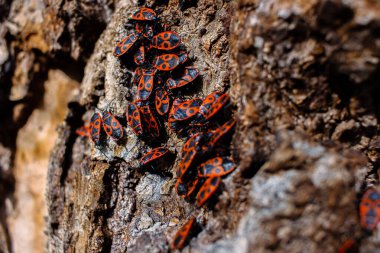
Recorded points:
(125,44)
(216,167)
(162,101)
(190,74)
(370,209)
(95,128)
(207,190)
(166,40)
(144,14)
(153,155)
(166,62)
(187,109)
(139,57)
(145,86)
(112,126)
(134,118)
(150,121)
(182,235)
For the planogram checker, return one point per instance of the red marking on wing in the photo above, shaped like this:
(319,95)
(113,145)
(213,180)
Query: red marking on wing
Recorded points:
(95,128)
(139,57)
(144,14)
(216,167)
(150,121)
(207,190)
(187,109)
(166,62)
(162,101)
(134,118)
(370,209)
(145,86)
(189,75)
(166,40)
(112,126)
(182,235)
(83,131)
(125,44)
(153,155)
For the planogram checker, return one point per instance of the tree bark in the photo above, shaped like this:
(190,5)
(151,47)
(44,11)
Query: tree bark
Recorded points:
(303,78)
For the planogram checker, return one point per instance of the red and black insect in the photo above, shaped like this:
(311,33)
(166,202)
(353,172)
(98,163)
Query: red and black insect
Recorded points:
(145,86)
(183,57)
(95,128)
(148,32)
(187,109)
(216,167)
(207,190)
(370,209)
(182,235)
(162,101)
(217,134)
(213,103)
(125,44)
(186,189)
(189,151)
(349,246)
(145,30)
(134,118)
(139,57)
(153,155)
(139,28)
(166,62)
(166,40)
(112,126)
(150,121)
(172,123)
(83,131)
(144,14)
(136,75)
(189,75)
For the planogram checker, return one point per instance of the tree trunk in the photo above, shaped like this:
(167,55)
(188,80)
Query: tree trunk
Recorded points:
(303,79)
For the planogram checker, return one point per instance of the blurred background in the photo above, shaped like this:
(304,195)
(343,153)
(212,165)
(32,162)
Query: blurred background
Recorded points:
(304,76)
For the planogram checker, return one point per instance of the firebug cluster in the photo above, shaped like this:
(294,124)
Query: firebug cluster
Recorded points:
(162,71)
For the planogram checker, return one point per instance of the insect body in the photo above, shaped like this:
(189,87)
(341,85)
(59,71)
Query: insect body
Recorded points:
(144,14)
(166,40)
(216,167)
(145,85)
(125,44)
(189,75)
(349,246)
(139,57)
(95,128)
(186,189)
(217,134)
(187,109)
(213,103)
(166,62)
(153,155)
(188,153)
(183,56)
(83,131)
(112,126)
(150,121)
(172,123)
(207,190)
(134,118)
(370,209)
(162,101)
(182,235)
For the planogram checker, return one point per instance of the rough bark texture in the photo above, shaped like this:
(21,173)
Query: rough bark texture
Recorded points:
(302,74)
